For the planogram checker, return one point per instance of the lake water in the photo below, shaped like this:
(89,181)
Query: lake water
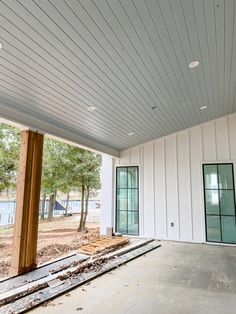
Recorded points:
(7,210)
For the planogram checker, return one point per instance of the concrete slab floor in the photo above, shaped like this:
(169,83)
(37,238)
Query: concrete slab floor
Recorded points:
(178,278)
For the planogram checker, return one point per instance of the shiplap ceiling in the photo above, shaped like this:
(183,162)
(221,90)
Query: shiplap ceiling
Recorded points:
(129,58)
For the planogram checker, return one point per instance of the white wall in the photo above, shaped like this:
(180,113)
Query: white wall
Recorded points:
(107,194)
(171,187)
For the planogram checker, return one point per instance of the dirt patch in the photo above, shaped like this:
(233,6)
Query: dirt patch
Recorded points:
(4,268)
(85,237)
(52,251)
(51,246)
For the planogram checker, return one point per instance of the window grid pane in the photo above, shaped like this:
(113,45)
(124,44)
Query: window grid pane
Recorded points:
(121,177)
(225,177)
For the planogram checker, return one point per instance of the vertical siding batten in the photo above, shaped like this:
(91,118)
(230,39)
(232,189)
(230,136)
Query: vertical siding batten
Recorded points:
(216,148)
(134,156)
(167,233)
(232,135)
(201,194)
(230,155)
(177,173)
(191,189)
(196,151)
(209,142)
(124,157)
(148,189)
(184,185)
(222,139)
(160,190)
(171,184)
(141,187)
(154,187)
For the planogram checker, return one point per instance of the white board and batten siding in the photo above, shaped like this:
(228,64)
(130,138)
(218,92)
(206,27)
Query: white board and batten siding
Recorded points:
(171,179)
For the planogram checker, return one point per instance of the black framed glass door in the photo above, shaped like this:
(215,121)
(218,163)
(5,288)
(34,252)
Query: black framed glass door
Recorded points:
(219,194)
(127,200)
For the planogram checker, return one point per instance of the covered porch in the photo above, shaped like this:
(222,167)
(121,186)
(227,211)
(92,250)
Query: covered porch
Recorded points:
(151,85)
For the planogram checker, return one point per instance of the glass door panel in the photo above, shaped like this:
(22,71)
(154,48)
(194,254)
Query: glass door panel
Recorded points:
(219,192)
(127,200)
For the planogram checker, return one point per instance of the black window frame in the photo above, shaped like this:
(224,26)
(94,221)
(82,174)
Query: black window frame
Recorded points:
(218,189)
(127,210)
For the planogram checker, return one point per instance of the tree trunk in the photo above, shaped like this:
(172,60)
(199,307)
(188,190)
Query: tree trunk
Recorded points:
(43,206)
(50,206)
(67,200)
(54,200)
(86,208)
(80,228)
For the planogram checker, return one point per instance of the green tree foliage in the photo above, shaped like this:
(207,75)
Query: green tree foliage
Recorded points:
(54,165)
(89,180)
(51,174)
(66,167)
(9,156)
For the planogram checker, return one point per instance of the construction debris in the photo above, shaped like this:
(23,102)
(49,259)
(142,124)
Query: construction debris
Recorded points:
(29,295)
(103,244)
(46,253)
(97,246)
(53,244)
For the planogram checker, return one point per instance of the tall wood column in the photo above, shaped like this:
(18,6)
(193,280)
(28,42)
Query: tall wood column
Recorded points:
(27,203)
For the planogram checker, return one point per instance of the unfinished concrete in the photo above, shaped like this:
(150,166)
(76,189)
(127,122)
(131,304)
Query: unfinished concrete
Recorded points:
(177,278)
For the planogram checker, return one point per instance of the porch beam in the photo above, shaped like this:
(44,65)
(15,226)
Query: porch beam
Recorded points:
(27,203)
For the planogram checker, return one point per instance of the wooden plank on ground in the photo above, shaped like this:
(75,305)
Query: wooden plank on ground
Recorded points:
(40,272)
(103,244)
(93,261)
(38,297)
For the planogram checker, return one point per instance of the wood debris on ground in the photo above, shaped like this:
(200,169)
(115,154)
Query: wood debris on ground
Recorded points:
(36,292)
(103,244)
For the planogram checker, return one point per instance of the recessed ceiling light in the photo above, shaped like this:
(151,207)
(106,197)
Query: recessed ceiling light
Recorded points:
(131,133)
(193,64)
(91,108)
(203,107)
(0,45)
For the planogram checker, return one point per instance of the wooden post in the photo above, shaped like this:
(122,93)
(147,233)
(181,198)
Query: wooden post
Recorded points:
(27,203)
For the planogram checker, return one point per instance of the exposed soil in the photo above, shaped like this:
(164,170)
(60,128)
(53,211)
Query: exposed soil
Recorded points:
(53,241)
(71,242)
(4,268)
